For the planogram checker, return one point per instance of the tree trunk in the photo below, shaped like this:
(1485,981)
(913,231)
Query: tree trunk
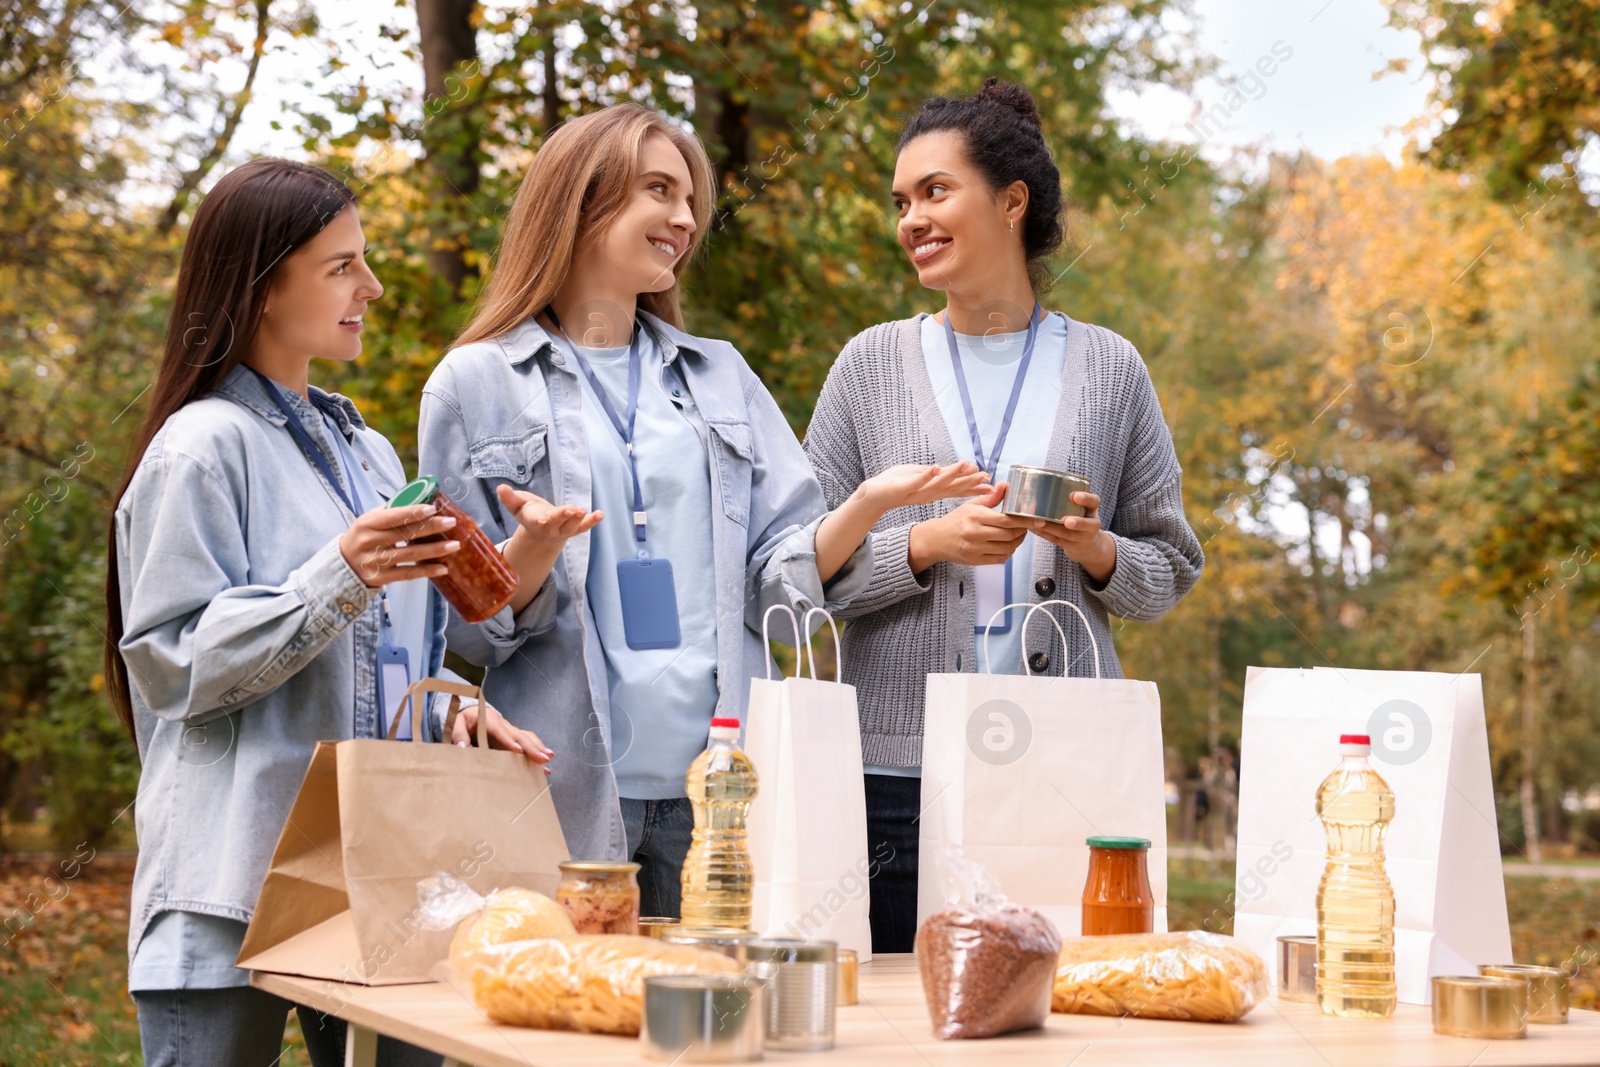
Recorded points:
(448,42)
(1214,699)
(1530,746)
(552,82)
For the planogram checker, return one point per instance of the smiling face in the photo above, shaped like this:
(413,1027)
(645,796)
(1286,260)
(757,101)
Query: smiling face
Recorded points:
(953,226)
(319,294)
(650,233)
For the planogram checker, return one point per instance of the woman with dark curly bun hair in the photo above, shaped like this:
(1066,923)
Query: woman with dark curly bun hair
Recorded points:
(994,379)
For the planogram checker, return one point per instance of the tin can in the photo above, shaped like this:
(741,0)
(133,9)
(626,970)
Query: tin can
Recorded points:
(802,990)
(728,940)
(703,1018)
(1477,1006)
(849,977)
(1297,968)
(656,925)
(1040,493)
(1548,996)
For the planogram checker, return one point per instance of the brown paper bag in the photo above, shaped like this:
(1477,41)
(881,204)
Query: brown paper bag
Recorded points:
(372,819)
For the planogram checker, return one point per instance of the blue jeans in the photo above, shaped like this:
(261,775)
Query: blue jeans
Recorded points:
(893,805)
(659,832)
(243,1027)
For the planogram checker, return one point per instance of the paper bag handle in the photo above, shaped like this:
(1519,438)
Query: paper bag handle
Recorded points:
(1093,644)
(838,654)
(439,685)
(987,663)
(766,639)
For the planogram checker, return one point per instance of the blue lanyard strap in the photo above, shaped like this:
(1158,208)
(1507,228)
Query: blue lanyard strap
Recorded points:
(623,431)
(297,430)
(990,468)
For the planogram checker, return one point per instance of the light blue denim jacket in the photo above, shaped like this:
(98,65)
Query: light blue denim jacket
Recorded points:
(508,412)
(247,638)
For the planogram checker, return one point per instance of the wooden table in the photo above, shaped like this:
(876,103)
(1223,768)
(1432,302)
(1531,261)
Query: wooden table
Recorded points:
(890,1026)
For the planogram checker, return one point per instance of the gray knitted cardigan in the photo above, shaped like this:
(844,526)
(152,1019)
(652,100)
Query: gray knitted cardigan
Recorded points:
(877,409)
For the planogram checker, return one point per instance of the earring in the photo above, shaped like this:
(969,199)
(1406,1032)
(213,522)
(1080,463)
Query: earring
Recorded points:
(1013,225)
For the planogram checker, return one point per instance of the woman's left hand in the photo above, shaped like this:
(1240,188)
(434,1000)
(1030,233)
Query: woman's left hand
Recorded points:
(501,734)
(1081,539)
(912,483)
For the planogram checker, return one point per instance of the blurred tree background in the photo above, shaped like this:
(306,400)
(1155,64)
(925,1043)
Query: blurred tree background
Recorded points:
(1380,376)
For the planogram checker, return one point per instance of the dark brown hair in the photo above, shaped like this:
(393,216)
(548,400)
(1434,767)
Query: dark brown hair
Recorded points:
(1005,141)
(254,218)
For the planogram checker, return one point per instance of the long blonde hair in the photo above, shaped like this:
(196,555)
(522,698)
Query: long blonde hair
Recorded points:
(580,180)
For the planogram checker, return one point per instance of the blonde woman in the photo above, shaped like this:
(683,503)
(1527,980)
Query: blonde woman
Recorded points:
(643,484)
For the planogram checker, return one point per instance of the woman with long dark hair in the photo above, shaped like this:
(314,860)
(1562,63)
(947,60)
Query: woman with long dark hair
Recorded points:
(994,379)
(253,574)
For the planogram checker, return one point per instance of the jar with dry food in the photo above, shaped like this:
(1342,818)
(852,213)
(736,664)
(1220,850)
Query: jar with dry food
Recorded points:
(478,581)
(600,897)
(1116,896)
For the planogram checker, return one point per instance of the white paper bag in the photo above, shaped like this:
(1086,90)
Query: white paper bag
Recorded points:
(1019,770)
(1430,743)
(808,822)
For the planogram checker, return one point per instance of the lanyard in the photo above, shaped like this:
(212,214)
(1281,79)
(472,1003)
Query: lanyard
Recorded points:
(623,431)
(990,468)
(298,431)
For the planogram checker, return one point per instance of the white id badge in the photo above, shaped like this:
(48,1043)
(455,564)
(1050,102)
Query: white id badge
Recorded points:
(994,592)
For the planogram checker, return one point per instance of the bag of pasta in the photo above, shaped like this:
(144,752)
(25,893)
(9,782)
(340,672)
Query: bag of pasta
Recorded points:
(592,983)
(986,963)
(1187,975)
(503,915)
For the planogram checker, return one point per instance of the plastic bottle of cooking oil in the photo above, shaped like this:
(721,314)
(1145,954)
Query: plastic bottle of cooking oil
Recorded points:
(717,876)
(1355,904)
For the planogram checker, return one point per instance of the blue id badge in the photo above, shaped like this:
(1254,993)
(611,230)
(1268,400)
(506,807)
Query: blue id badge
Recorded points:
(394,678)
(993,593)
(649,603)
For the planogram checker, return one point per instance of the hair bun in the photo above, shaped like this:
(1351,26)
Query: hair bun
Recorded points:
(1014,97)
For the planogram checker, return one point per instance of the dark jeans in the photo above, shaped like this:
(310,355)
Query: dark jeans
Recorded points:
(243,1027)
(658,840)
(893,805)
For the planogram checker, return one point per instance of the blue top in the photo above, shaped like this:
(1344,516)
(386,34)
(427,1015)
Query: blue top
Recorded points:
(661,699)
(990,362)
(508,411)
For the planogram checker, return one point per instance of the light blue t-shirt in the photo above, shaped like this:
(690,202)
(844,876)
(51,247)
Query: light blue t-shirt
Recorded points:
(990,362)
(661,699)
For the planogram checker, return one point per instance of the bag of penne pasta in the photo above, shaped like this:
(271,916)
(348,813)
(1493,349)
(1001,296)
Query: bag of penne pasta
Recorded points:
(1187,975)
(592,983)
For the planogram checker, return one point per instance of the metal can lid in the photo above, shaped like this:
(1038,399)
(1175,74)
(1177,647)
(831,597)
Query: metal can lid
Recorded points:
(1119,842)
(791,950)
(417,491)
(598,866)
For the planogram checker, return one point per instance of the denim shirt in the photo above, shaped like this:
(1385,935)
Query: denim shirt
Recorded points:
(508,412)
(247,637)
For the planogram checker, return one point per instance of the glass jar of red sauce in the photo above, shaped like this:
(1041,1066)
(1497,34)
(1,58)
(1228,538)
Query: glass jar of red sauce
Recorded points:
(478,581)
(1116,896)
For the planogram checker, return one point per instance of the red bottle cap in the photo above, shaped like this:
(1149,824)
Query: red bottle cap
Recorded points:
(1355,739)
(731,723)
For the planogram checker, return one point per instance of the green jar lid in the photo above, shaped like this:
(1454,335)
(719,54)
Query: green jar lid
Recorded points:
(420,491)
(1119,842)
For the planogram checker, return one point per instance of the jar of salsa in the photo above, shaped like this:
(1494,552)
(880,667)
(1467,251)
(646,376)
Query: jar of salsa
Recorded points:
(600,897)
(478,581)
(1117,897)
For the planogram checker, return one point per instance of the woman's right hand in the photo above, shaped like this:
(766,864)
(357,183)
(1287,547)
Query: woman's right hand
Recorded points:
(974,533)
(381,546)
(545,524)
